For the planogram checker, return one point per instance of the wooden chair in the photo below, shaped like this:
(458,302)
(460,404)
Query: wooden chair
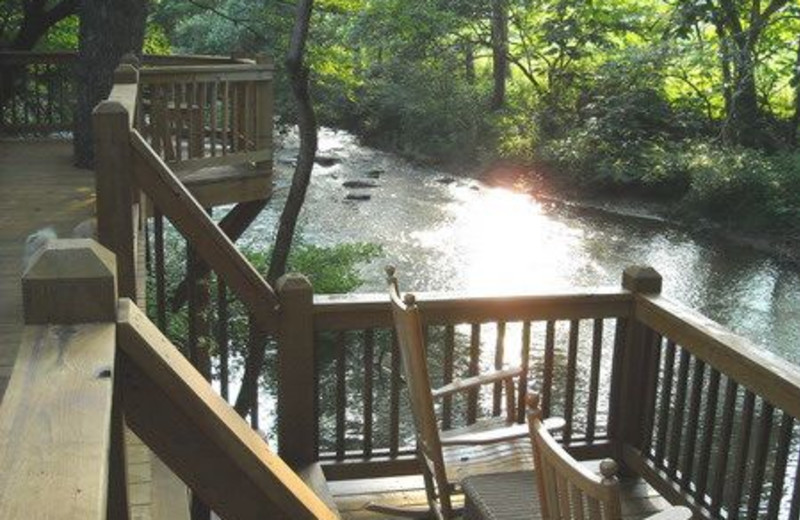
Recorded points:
(447,457)
(569,490)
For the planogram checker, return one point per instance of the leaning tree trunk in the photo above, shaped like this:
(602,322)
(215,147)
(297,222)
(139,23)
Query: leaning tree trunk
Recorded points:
(307,124)
(108,30)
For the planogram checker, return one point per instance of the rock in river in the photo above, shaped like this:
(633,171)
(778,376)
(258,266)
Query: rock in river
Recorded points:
(326,160)
(359,184)
(358,196)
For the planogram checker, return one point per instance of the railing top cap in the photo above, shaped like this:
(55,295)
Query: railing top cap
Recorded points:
(76,258)
(641,279)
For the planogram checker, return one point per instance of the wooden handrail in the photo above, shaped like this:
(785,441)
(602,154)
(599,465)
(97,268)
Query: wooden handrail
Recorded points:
(57,422)
(177,413)
(764,373)
(158,182)
(362,311)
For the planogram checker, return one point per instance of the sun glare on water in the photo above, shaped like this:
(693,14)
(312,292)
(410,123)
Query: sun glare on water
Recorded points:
(502,243)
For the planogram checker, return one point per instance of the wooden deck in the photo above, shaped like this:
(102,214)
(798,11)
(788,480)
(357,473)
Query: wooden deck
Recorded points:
(39,187)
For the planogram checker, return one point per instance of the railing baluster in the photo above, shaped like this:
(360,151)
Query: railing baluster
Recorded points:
(652,358)
(781,459)
(739,471)
(341,398)
(723,445)
(794,508)
(594,379)
(665,405)
(525,357)
(696,396)
(708,434)
(254,410)
(447,376)
(674,444)
(369,364)
(497,390)
(547,380)
(222,336)
(225,116)
(177,117)
(394,400)
(572,357)
(160,268)
(760,459)
(474,360)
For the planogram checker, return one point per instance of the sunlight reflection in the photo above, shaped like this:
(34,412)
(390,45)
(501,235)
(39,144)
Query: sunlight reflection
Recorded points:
(502,242)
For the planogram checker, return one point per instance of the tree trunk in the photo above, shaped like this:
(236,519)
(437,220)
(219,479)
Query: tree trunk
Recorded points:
(743,115)
(499,52)
(469,63)
(108,30)
(307,124)
(795,122)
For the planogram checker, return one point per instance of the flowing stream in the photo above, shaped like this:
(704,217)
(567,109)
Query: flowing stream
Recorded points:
(456,233)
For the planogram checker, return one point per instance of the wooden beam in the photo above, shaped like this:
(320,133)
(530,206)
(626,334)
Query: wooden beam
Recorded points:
(199,436)
(155,178)
(55,424)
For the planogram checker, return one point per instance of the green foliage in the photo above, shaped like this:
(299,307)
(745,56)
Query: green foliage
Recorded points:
(62,36)
(331,270)
(744,187)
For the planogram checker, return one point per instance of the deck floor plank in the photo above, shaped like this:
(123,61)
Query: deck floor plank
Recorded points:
(40,188)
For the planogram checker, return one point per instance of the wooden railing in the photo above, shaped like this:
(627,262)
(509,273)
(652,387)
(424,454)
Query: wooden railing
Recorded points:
(720,428)
(91,365)
(37,92)
(196,111)
(550,336)
(195,116)
(706,416)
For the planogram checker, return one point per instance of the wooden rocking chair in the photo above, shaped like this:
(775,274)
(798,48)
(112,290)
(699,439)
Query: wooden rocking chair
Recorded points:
(489,446)
(569,490)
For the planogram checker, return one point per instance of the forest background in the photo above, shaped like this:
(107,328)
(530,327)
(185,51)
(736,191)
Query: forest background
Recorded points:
(692,103)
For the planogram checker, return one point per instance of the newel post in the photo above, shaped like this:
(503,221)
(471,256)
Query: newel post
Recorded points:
(70,283)
(297,401)
(113,182)
(264,114)
(634,377)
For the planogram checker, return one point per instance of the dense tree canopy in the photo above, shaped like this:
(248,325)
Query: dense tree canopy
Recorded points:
(633,93)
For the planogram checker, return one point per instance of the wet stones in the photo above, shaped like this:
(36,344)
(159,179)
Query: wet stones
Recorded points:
(358,196)
(357,184)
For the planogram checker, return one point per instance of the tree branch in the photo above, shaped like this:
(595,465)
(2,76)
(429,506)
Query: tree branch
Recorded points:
(239,22)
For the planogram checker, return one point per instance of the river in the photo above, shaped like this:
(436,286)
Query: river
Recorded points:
(457,233)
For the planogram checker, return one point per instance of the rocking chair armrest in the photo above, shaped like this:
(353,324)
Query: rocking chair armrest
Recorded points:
(673,513)
(459,385)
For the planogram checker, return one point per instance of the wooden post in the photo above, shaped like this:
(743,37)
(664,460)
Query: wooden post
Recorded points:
(113,183)
(263,117)
(631,365)
(70,281)
(297,402)
(60,424)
